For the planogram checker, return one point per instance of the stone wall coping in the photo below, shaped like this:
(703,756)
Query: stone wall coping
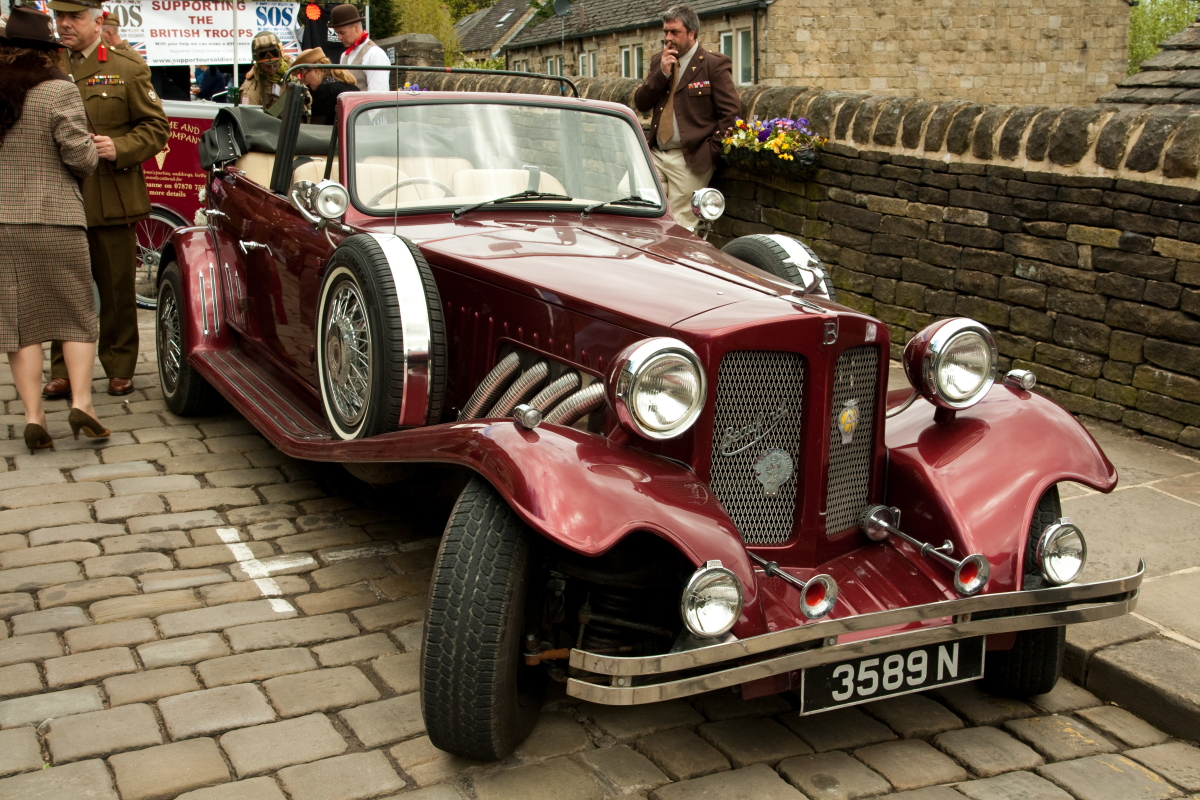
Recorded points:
(1099,143)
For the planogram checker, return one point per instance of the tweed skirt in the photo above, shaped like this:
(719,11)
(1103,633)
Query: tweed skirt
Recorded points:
(45,286)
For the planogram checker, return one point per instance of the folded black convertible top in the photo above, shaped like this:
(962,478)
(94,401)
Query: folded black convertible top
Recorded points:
(248,129)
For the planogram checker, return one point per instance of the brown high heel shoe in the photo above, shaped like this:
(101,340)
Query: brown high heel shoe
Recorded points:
(80,421)
(37,438)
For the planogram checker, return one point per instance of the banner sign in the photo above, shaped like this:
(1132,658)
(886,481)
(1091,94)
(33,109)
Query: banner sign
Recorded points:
(178,32)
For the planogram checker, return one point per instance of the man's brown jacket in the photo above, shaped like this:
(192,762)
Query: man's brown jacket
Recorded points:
(706,105)
(121,104)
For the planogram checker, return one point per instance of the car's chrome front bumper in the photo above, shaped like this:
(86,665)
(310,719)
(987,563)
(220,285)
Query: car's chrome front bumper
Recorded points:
(649,679)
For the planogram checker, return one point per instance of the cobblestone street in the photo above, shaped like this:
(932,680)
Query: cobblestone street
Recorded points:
(186,612)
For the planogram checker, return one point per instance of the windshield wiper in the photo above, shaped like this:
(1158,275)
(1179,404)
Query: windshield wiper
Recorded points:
(632,200)
(512,198)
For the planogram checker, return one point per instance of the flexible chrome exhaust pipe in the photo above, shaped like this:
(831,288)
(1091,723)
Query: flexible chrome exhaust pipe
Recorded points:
(818,594)
(970,574)
(520,390)
(490,387)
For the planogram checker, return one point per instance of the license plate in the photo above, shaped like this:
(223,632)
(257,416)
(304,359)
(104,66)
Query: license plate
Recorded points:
(916,669)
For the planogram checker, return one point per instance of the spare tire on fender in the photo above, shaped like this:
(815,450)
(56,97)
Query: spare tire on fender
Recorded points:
(381,338)
(786,258)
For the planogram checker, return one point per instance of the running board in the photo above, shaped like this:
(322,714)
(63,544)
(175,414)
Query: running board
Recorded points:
(284,419)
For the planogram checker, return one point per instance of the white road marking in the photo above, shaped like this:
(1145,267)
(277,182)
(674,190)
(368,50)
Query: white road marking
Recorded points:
(255,569)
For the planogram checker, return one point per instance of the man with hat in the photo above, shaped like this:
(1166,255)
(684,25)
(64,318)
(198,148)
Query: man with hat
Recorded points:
(347,23)
(129,126)
(110,32)
(264,83)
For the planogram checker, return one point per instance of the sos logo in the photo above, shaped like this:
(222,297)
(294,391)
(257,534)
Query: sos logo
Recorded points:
(127,15)
(274,16)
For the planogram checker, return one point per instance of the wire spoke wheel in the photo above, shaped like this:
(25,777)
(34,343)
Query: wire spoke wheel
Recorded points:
(170,339)
(152,234)
(347,349)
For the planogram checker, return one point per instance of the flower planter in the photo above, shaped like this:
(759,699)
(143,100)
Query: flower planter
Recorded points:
(799,168)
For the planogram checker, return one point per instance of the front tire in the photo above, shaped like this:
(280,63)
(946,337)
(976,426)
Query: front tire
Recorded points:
(185,392)
(479,699)
(1035,662)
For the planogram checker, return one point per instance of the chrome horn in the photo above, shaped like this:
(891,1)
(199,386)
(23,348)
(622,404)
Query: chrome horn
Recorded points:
(970,574)
(818,594)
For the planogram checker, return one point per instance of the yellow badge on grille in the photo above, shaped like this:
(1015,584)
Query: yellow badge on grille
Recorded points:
(848,420)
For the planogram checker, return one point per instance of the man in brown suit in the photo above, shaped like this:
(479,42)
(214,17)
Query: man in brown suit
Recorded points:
(694,100)
(129,126)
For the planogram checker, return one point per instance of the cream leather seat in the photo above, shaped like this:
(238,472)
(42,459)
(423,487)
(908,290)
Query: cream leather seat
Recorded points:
(315,171)
(496,182)
(438,169)
(257,166)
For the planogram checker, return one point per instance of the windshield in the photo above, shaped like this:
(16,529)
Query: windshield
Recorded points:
(421,157)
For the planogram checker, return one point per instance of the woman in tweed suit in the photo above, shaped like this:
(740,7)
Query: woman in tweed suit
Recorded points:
(45,272)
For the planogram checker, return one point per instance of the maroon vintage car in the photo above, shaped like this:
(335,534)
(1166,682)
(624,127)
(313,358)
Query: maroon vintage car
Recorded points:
(685,472)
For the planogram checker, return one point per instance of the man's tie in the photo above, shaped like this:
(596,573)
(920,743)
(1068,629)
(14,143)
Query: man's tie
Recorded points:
(666,123)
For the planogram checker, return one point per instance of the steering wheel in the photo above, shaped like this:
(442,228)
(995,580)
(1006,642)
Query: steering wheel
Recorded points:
(409,182)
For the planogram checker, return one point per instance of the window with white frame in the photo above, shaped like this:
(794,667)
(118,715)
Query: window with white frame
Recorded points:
(745,59)
(632,62)
(550,66)
(593,65)
(739,46)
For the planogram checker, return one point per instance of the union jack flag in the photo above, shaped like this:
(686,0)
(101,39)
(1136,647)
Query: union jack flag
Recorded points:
(42,6)
(140,47)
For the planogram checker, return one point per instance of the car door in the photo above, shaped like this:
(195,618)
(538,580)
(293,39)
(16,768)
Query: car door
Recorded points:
(231,219)
(287,281)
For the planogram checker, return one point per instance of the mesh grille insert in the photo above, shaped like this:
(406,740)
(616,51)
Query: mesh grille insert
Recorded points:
(759,398)
(850,464)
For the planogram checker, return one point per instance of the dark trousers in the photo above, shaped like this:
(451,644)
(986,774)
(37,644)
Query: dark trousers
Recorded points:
(113,249)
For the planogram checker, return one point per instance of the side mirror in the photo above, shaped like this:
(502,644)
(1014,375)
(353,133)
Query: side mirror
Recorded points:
(319,203)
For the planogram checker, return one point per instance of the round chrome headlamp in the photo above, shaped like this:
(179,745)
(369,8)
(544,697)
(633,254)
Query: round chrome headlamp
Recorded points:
(330,199)
(952,363)
(708,204)
(1061,552)
(658,388)
(712,601)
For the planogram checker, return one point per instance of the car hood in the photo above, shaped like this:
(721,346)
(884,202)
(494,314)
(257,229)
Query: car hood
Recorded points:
(638,276)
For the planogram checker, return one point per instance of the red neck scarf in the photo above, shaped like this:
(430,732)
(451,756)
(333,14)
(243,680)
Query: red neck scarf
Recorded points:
(357,42)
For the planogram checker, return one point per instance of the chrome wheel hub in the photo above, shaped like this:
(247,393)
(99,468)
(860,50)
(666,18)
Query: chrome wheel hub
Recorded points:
(347,354)
(170,340)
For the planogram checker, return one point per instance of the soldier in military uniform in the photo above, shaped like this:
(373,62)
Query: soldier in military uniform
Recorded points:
(128,125)
(110,32)
(264,83)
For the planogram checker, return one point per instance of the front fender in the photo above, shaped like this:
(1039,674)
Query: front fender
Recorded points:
(582,491)
(976,480)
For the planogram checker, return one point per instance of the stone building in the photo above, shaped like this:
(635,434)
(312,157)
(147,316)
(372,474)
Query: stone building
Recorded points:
(482,34)
(995,51)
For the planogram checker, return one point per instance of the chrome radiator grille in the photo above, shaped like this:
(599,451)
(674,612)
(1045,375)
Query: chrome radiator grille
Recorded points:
(759,398)
(850,462)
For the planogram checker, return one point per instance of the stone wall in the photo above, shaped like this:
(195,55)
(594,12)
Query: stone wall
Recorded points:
(1073,233)
(994,51)
(987,51)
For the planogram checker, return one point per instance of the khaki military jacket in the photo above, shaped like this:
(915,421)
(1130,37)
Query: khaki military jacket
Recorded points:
(256,90)
(122,104)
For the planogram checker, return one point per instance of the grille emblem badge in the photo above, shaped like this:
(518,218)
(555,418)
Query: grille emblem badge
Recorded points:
(848,420)
(773,469)
(736,440)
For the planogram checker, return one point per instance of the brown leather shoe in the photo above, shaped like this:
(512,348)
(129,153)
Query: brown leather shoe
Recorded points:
(120,386)
(57,389)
